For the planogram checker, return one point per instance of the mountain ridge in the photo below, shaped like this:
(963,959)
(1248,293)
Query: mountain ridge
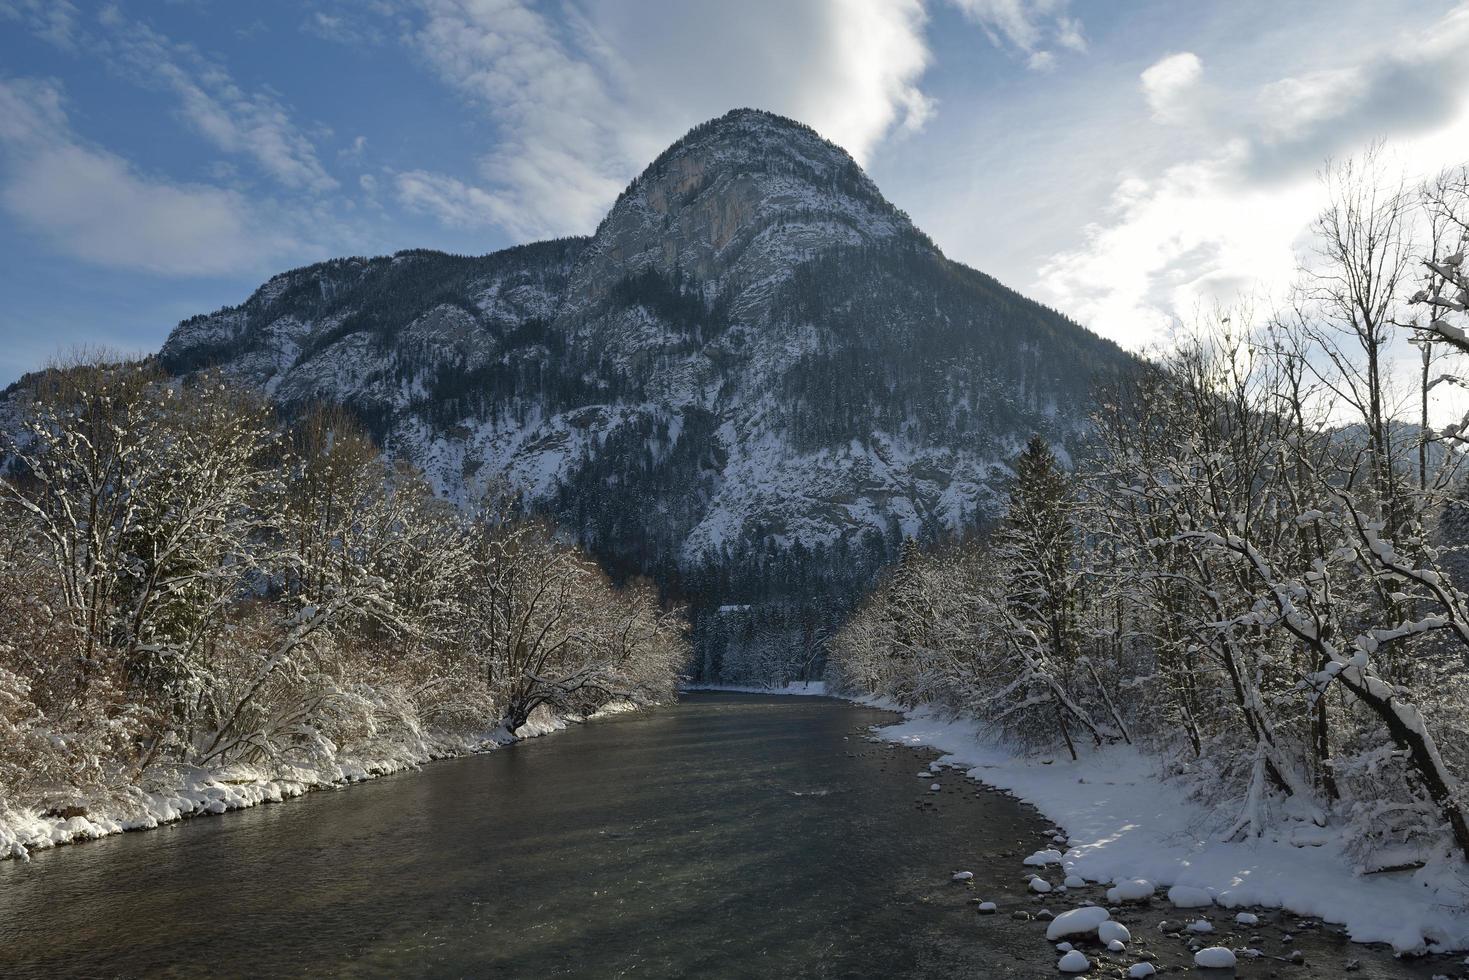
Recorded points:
(752,382)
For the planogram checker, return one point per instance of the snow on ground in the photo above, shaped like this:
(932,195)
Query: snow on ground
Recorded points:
(1124,822)
(189,791)
(815,689)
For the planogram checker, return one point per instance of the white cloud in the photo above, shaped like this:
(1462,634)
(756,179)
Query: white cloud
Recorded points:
(1235,217)
(1170,84)
(581,103)
(1034,27)
(252,124)
(451,201)
(91,204)
(51,20)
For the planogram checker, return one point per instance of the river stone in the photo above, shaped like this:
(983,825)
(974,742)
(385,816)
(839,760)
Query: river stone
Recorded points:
(1187,897)
(1077,922)
(1215,958)
(1074,962)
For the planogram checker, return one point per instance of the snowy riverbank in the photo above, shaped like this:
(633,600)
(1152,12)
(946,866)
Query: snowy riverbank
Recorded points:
(1124,822)
(190,791)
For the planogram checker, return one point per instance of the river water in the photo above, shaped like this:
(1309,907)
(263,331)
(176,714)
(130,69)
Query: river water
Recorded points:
(728,835)
(725,836)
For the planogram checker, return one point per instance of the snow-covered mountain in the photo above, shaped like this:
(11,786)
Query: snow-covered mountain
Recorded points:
(752,382)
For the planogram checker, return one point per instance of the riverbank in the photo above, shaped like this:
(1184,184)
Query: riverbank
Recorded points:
(180,792)
(1123,822)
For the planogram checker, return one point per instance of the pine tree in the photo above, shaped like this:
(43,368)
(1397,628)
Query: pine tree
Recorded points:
(1039,547)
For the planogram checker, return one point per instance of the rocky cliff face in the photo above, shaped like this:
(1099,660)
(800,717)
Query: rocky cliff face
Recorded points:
(752,382)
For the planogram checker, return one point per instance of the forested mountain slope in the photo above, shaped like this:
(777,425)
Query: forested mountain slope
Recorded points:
(751,383)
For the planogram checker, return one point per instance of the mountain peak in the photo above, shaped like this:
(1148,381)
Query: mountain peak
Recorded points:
(741,200)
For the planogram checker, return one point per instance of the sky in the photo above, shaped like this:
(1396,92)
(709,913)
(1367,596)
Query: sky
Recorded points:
(1124,162)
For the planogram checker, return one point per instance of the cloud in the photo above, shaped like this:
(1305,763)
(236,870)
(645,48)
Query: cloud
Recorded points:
(54,21)
(1236,215)
(253,124)
(1170,83)
(340,27)
(580,103)
(91,204)
(1034,27)
(451,201)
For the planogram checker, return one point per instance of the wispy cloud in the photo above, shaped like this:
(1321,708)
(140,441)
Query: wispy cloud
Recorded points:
(582,101)
(93,205)
(1035,28)
(55,21)
(252,124)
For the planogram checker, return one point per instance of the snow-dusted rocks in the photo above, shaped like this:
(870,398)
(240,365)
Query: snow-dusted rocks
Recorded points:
(1040,885)
(1247,919)
(1113,931)
(1040,859)
(988,908)
(962,876)
(1077,922)
(1074,962)
(1130,890)
(1215,958)
(1187,897)
(1139,970)
(935,788)
(1074,881)
(1200,926)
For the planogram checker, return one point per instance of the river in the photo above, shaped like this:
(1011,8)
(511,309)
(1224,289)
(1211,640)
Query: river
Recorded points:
(725,836)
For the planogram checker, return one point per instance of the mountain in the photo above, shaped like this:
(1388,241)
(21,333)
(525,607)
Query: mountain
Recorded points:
(752,382)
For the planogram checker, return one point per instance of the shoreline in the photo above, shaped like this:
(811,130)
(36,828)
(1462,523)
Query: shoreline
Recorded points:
(1131,823)
(211,792)
(1122,821)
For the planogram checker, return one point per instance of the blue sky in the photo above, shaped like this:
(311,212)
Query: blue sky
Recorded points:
(1123,161)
